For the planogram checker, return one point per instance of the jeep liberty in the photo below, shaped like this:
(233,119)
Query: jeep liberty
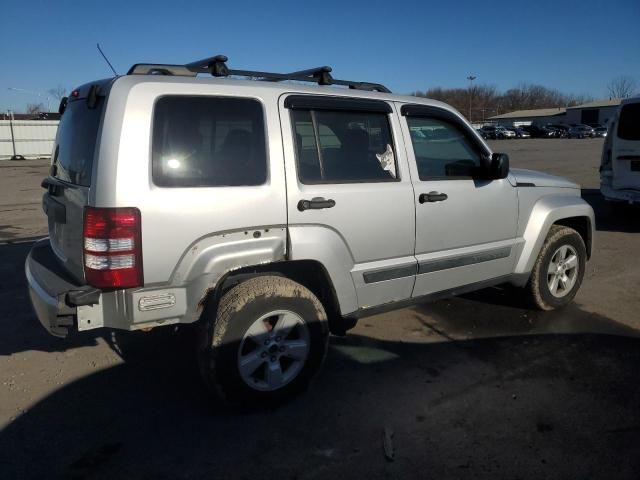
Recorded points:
(271,213)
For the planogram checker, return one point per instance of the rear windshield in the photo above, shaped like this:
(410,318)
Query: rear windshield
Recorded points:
(629,124)
(76,142)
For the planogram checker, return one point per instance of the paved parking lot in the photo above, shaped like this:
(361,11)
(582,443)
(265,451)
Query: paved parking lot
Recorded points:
(472,387)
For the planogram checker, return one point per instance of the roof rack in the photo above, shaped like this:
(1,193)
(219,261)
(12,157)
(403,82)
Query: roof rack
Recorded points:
(217,67)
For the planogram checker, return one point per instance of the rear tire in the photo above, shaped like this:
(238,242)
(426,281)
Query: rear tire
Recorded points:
(264,343)
(559,269)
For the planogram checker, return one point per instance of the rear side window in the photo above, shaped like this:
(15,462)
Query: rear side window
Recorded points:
(208,142)
(343,146)
(76,142)
(629,123)
(442,150)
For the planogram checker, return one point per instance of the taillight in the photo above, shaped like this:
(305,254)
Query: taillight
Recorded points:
(112,247)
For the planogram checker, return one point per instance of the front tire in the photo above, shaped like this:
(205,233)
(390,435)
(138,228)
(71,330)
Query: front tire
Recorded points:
(559,269)
(267,340)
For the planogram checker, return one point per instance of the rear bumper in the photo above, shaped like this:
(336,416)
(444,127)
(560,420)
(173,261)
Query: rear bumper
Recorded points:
(53,292)
(626,195)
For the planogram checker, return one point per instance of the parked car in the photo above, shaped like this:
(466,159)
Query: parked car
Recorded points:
(504,132)
(620,164)
(580,131)
(539,132)
(560,130)
(600,131)
(491,132)
(554,132)
(522,133)
(269,214)
(513,130)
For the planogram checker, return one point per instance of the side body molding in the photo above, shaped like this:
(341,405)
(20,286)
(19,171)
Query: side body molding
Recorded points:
(546,211)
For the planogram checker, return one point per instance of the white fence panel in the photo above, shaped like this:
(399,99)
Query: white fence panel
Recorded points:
(32,138)
(6,148)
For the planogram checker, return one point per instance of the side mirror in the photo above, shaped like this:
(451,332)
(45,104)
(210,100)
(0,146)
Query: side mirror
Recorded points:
(499,166)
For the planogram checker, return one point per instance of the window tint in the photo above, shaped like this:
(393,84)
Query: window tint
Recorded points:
(208,141)
(342,146)
(442,149)
(76,142)
(629,123)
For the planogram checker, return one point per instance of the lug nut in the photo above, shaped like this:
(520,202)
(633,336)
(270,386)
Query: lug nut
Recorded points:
(263,354)
(282,349)
(266,342)
(273,358)
(278,339)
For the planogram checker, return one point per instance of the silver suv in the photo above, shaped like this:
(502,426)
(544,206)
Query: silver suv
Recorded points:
(270,214)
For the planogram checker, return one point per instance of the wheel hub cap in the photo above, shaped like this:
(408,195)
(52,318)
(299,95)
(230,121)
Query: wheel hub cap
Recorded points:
(562,272)
(273,350)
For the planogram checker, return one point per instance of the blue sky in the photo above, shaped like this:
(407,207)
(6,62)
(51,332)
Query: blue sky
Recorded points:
(574,46)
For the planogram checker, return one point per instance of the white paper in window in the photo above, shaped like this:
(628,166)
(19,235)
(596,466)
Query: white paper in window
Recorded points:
(387,161)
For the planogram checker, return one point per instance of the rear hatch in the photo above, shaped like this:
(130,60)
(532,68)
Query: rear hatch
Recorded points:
(626,148)
(70,176)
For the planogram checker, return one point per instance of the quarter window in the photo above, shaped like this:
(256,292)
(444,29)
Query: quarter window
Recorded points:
(343,146)
(629,124)
(442,149)
(208,142)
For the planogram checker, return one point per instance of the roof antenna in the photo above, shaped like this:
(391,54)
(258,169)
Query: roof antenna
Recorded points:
(115,74)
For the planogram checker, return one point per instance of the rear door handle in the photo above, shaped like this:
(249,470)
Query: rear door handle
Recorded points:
(432,197)
(315,204)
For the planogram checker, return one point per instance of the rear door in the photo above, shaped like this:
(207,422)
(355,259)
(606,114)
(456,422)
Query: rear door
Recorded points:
(349,191)
(626,148)
(70,177)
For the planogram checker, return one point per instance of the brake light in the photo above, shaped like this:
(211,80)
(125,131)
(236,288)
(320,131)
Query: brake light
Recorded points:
(113,247)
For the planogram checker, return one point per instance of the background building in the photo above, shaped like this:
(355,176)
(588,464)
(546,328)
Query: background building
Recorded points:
(599,111)
(540,116)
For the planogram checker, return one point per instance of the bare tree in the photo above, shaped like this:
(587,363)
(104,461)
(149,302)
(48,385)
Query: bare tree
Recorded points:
(622,87)
(35,107)
(488,101)
(57,92)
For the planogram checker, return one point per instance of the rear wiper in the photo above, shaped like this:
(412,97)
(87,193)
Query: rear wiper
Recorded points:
(54,186)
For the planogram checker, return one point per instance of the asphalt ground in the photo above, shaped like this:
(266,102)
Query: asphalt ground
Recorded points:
(470,387)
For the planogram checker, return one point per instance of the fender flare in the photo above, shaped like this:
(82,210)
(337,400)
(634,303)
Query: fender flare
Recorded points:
(547,211)
(212,258)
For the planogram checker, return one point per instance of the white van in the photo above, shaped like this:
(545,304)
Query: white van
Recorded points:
(620,165)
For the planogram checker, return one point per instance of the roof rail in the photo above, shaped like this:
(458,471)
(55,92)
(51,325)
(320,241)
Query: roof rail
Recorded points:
(217,67)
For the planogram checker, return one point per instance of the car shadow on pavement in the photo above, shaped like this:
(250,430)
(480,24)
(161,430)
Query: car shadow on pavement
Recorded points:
(512,405)
(475,387)
(610,216)
(498,311)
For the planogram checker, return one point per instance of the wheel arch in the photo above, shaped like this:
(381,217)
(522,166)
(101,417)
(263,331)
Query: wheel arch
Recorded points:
(566,210)
(583,226)
(309,273)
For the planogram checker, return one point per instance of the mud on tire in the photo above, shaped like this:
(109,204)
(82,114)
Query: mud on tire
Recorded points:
(539,288)
(265,323)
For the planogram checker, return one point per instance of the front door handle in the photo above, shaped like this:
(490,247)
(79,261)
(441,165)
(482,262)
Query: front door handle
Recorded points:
(432,197)
(315,203)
